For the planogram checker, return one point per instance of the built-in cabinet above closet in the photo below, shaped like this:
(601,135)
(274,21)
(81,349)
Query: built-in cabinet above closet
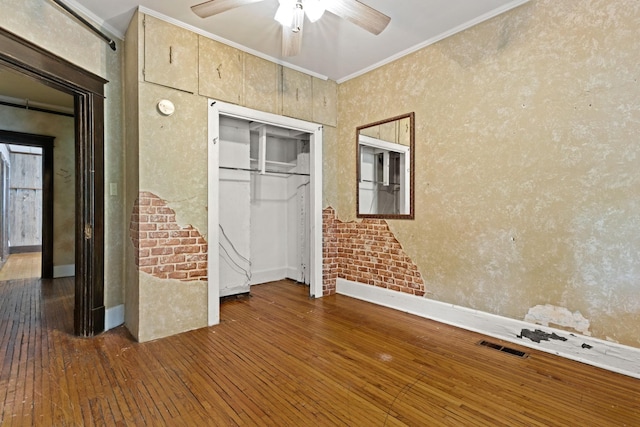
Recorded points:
(221,71)
(170,55)
(297,95)
(262,84)
(180,59)
(325,102)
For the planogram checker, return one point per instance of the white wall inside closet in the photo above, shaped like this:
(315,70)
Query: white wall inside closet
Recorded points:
(265,218)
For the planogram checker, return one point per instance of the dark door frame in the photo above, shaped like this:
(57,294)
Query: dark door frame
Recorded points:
(46,143)
(88,91)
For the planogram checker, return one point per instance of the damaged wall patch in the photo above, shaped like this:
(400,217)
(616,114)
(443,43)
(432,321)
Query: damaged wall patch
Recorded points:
(550,315)
(538,335)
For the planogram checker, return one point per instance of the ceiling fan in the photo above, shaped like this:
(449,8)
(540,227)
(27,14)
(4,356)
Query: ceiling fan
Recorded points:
(291,15)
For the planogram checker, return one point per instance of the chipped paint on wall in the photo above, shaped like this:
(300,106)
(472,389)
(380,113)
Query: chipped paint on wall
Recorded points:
(559,317)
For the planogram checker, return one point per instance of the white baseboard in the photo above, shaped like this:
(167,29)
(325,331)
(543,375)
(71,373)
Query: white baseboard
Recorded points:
(64,271)
(265,276)
(294,273)
(236,290)
(113,317)
(603,354)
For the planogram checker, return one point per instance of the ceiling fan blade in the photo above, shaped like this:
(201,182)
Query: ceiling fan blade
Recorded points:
(360,14)
(213,7)
(291,42)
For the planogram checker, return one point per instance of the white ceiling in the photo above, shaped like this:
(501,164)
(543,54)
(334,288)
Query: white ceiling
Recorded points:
(331,47)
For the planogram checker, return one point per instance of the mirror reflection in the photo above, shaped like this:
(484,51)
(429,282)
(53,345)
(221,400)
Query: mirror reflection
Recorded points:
(385,168)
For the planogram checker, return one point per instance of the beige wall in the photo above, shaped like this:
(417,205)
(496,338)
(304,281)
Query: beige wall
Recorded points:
(48,26)
(62,128)
(527,162)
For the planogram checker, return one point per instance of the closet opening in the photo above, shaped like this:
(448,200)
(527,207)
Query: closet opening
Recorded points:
(265,219)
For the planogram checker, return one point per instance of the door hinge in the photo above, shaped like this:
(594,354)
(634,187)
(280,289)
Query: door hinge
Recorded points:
(88,232)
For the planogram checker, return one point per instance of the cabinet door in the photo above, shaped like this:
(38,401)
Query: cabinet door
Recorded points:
(404,131)
(296,94)
(261,84)
(325,105)
(170,55)
(221,71)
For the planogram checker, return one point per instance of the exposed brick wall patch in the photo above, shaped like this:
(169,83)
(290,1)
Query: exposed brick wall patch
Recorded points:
(366,252)
(164,249)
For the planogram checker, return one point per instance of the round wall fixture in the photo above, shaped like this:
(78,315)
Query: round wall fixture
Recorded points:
(166,107)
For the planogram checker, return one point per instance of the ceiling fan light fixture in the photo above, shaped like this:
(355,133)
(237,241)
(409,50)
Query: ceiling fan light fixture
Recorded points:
(298,17)
(284,14)
(314,9)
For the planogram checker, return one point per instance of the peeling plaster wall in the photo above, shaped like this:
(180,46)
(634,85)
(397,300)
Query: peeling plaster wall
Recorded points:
(48,26)
(527,161)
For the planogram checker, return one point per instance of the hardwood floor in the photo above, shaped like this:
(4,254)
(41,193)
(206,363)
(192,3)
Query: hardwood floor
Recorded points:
(281,359)
(22,266)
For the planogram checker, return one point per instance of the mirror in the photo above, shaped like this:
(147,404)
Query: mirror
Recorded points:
(385,168)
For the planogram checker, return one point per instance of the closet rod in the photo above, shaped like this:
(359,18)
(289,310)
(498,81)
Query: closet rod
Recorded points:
(258,170)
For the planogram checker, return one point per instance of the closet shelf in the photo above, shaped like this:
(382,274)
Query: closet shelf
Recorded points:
(273,162)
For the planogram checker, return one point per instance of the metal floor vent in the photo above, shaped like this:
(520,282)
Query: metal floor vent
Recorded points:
(503,349)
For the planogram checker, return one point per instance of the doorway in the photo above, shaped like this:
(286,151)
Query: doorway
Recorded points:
(87,89)
(45,220)
(308,190)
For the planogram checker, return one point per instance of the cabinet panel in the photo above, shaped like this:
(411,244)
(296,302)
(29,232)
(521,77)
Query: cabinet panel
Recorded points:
(389,132)
(404,131)
(261,84)
(170,55)
(221,71)
(325,104)
(297,94)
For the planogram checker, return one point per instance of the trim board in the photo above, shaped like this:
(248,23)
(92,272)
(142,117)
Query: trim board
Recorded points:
(68,270)
(592,351)
(113,317)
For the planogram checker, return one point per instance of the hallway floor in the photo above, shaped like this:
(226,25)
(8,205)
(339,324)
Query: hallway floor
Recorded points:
(22,266)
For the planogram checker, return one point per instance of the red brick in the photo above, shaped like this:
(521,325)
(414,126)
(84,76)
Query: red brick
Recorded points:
(158,218)
(196,257)
(148,243)
(186,249)
(158,235)
(172,259)
(162,251)
(198,273)
(169,242)
(168,226)
(367,252)
(145,262)
(180,233)
(186,266)
(169,268)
